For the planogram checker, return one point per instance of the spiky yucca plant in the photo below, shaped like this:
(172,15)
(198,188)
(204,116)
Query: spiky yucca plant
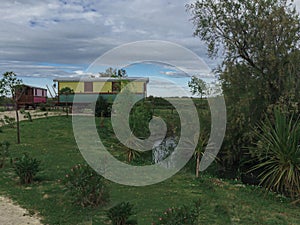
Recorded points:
(277,154)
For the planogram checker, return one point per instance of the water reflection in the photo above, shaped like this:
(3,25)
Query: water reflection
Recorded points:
(163,149)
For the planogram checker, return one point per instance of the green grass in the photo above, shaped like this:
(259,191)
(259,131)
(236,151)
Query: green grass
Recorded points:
(51,141)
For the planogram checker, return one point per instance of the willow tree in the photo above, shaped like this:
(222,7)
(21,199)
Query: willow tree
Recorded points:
(11,86)
(258,41)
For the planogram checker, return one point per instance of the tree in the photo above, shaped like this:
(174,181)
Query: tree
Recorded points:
(260,35)
(197,86)
(10,85)
(122,73)
(111,72)
(66,91)
(258,40)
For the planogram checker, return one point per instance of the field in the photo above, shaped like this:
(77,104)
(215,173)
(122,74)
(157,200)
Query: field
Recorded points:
(51,141)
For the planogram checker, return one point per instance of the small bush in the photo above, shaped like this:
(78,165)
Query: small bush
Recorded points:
(86,186)
(4,153)
(181,215)
(120,214)
(26,168)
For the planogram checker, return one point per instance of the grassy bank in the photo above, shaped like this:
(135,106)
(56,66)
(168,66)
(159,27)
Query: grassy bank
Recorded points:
(52,142)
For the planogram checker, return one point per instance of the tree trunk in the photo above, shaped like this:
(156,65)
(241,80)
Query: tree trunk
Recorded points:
(101,119)
(197,165)
(67,107)
(18,123)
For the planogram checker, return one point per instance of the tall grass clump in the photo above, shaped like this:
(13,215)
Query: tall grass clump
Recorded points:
(26,168)
(277,154)
(119,214)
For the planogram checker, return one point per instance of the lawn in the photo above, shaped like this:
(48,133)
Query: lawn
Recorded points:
(52,142)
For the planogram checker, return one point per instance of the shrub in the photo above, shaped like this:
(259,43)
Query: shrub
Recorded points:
(43,107)
(26,168)
(139,119)
(181,215)
(277,152)
(102,108)
(4,153)
(120,214)
(26,115)
(86,186)
(10,121)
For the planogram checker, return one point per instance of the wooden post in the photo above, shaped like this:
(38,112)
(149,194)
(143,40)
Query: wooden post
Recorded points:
(18,123)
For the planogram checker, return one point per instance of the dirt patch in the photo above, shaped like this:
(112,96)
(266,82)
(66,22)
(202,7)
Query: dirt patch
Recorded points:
(12,214)
(34,114)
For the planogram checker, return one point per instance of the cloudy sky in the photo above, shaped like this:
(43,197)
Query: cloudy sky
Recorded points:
(52,38)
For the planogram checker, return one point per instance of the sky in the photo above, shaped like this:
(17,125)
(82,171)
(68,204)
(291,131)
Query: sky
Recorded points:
(44,40)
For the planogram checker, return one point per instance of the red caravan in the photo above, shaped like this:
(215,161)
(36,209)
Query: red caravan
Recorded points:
(31,96)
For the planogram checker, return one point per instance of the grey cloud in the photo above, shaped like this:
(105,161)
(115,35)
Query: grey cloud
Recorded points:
(77,31)
(174,74)
(31,69)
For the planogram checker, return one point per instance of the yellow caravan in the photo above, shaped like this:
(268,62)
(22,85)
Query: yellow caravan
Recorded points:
(107,87)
